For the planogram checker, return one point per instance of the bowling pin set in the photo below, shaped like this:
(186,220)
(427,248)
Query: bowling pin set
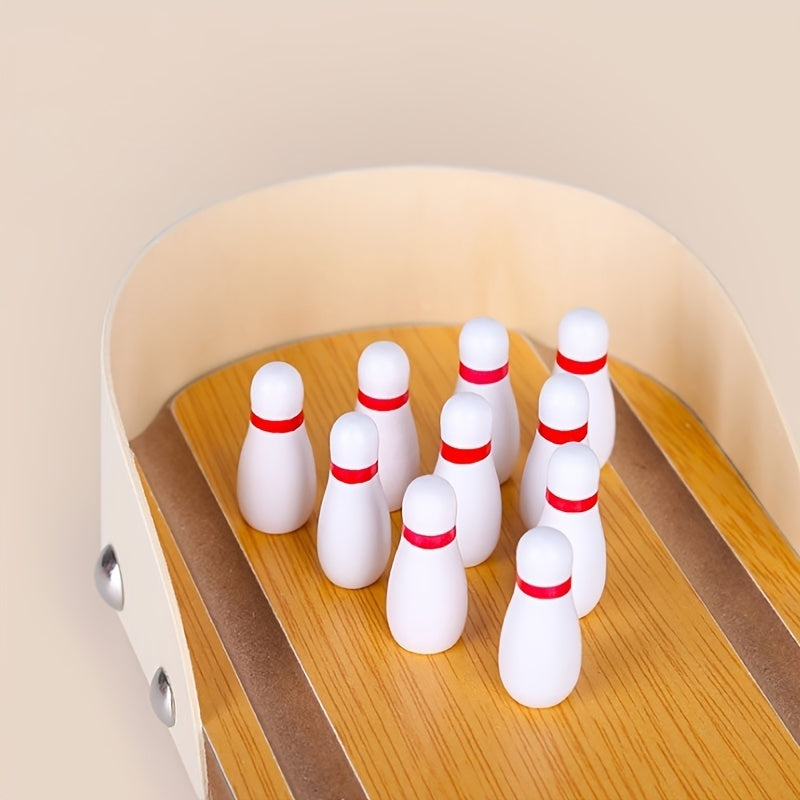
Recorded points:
(451,519)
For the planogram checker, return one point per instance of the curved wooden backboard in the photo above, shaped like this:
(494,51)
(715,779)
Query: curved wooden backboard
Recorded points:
(436,245)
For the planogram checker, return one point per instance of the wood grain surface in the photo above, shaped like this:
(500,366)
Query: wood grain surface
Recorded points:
(664,705)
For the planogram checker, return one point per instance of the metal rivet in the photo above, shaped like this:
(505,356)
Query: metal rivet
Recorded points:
(108,578)
(161,698)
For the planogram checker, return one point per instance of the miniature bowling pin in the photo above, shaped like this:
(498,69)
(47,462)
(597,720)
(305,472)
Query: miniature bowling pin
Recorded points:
(354,534)
(483,353)
(276,482)
(583,352)
(540,642)
(465,462)
(426,597)
(563,417)
(573,477)
(383,373)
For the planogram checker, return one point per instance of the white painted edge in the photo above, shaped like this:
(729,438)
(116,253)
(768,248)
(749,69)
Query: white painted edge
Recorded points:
(150,614)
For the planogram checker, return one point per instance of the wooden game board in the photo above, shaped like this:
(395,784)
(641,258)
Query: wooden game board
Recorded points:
(690,684)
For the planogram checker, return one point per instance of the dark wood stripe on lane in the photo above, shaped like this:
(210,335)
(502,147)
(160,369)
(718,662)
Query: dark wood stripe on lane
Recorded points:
(218,786)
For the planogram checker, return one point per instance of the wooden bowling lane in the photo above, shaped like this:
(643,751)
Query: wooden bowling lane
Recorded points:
(664,703)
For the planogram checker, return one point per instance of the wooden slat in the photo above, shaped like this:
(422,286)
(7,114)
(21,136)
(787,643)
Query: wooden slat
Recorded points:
(664,707)
(238,742)
(719,489)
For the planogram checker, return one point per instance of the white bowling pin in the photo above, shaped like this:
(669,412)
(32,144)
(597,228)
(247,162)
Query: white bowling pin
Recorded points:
(573,478)
(540,649)
(583,352)
(276,482)
(563,417)
(483,352)
(354,534)
(465,462)
(383,373)
(426,597)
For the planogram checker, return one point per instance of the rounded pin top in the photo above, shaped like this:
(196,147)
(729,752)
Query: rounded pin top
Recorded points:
(354,441)
(583,335)
(483,344)
(564,402)
(466,421)
(383,370)
(276,391)
(544,557)
(573,472)
(429,506)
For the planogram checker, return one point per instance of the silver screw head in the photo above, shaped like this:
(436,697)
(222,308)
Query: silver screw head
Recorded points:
(108,578)
(161,698)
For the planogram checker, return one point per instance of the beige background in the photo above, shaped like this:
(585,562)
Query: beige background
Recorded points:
(115,122)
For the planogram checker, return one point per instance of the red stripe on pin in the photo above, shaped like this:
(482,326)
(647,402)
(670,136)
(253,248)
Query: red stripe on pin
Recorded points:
(545,592)
(580,367)
(354,475)
(429,542)
(570,506)
(562,437)
(381,403)
(277,425)
(482,376)
(458,455)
